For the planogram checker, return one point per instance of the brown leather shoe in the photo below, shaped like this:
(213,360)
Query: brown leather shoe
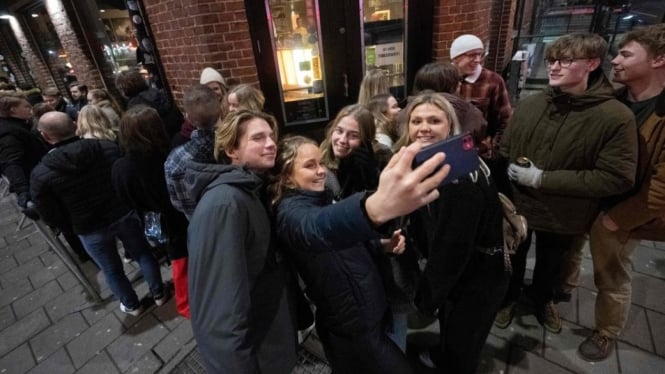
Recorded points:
(505,316)
(548,316)
(596,347)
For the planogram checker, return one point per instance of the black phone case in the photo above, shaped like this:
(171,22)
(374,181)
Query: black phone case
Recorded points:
(461,155)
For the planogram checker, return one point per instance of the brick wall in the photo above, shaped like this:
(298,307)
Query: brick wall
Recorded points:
(500,34)
(73,42)
(193,34)
(38,68)
(12,54)
(453,18)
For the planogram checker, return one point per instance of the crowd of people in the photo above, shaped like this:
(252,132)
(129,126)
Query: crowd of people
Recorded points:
(269,236)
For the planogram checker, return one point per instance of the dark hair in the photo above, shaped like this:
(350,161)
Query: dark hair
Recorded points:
(438,77)
(651,38)
(130,82)
(81,87)
(142,129)
(9,100)
(51,91)
(39,109)
(378,106)
(577,45)
(202,106)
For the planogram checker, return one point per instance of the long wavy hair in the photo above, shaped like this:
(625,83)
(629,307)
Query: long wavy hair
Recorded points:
(93,123)
(365,120)
(287,151)
(378,105)
(374,82)
(142,130)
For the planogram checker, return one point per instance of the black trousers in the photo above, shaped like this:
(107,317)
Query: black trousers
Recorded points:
(466,318)
(370,352)
(550,248)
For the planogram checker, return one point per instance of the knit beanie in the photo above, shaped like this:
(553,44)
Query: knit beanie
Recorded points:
(211,75)
(464,44)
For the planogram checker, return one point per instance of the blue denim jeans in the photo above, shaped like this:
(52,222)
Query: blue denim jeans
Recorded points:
(101,246)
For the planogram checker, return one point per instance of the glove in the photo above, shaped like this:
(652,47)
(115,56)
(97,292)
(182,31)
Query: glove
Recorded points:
(529,177)
(30,211)
(22,199)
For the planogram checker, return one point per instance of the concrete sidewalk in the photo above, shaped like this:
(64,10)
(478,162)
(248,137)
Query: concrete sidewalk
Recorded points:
(48,325)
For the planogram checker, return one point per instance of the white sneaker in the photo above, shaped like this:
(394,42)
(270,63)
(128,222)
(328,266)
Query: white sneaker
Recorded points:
(163,299)
(132,312)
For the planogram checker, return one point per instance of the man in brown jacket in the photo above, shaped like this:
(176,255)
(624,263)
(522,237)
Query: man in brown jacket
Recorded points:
(640,213)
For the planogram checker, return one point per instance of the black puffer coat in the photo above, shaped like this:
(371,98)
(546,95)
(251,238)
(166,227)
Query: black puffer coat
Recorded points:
(326,242)
(20,152)
(73,182)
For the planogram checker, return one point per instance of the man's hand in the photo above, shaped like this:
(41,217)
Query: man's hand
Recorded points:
(22,199)
(609,223)
(401,189)
(530,177)
(30,211)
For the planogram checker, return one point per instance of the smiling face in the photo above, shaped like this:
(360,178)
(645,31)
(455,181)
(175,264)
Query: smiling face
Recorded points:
(572,79)
(308,171)
(468,62)
(393,108)
(428,124)
(256,148)
(632,64)
(345,137)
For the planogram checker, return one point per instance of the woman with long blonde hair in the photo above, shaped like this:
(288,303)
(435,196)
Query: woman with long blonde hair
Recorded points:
(93,123)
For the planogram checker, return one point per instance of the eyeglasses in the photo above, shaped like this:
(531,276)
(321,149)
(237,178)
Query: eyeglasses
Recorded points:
(474,55)
(564,62)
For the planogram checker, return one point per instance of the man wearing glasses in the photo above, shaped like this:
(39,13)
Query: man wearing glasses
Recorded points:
(581,144)
(482,87)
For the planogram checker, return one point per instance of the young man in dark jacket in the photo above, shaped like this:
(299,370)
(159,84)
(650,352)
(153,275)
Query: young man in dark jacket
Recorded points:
(72,183)
(582,146)
(640,213)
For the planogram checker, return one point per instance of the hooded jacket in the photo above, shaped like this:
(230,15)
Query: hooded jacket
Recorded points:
(586,146)
(73,182)
(20,152)
(641,213)
(238,299)
(157,100)
(327,243)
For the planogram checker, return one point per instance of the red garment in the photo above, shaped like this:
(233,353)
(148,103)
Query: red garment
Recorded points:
(186,129)
(180,285)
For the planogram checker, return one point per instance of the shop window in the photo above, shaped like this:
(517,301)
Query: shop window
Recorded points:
(295,31)
(383,29)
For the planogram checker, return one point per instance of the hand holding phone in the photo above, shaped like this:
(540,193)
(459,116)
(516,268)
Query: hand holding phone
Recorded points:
(461,155)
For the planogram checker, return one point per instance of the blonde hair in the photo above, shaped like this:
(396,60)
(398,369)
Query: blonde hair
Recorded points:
(248,97)
(287,152)
(103,95)
(231,129)
(374,82)
(378,106)
(366,127)
(93,123)
(439,101)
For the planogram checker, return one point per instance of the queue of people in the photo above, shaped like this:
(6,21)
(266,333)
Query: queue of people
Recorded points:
(255,223)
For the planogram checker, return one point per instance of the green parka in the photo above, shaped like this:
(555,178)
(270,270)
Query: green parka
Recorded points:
(586,146)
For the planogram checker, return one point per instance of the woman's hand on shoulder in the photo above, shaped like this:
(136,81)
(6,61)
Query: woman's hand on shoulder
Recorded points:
(396,244)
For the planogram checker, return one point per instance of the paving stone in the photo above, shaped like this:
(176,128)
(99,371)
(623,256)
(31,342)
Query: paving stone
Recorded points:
(650,261)
(14,290)
(49,273)
(17,361)
(137,341)
(100,364)
(562,350)
(71,301)
(36,299)
(523,362)
(168,315)
(6,317)
(494,357)
(636,361)
(57,363)
(568,310)
(636,332)
(56,336)
(586,305)
(659,245)
(23,271)
(147,364)
(97,312)
(93,340)
(657,323)
(176,339)
(648,292)
(525,331)
(31,252)
(67,281)
(22,330)
(7,263)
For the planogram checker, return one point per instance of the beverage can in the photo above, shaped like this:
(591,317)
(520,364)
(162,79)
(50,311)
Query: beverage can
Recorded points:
(523,162)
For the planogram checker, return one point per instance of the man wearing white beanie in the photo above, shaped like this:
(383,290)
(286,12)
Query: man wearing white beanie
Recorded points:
(482,87)
(211,78)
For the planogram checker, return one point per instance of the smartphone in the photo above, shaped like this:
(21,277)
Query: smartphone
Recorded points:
(461,155)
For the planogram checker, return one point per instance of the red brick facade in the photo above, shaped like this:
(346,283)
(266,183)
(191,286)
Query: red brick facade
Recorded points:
(453,18)
(192,35)
(37,66)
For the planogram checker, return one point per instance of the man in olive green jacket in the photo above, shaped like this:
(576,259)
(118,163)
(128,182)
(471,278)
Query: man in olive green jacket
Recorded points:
(582,146)
(640,213)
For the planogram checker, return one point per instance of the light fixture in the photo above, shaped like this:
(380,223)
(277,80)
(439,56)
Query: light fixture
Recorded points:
(34,15)
(6,16)
(102,10)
